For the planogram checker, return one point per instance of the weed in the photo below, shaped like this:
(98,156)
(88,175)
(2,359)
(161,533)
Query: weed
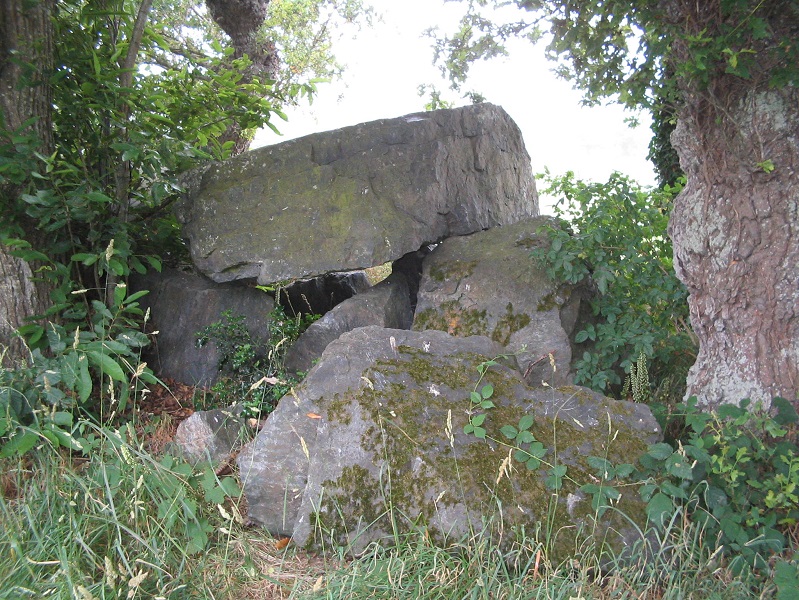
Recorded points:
(252,373)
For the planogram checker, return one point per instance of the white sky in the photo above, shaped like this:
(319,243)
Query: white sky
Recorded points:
(386,63)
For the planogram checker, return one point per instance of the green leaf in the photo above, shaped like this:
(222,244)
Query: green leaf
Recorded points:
(525,437)
(107,365)
(230,487)
(197,532)
(65,439)
(19,444)
(96,63)
(602,467)
(135,296)
(478,420)
(526,422)
(62,418)
(646,490)
(715,498)
(786,413)
(554,480)
(119,295)
(509,431)
(786,578)
(532,463)
(659,509)
(487,391)
(521,455)
(672,490)
(117,267)
(678,466)
(660,451)
(624,470)
(155,263)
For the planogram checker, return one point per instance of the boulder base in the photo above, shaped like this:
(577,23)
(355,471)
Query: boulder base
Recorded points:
(374,439)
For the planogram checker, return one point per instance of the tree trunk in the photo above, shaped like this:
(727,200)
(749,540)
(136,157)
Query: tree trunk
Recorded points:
(26,55)
(241,20)
(20,298)
(735,229)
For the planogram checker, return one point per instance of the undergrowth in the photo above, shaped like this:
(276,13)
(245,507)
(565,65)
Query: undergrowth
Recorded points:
(114,523)
(252,373)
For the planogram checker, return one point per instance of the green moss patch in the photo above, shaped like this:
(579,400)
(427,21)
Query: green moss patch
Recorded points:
(425,467)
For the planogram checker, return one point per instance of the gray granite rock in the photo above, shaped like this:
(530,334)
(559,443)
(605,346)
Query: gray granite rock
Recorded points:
(181,304)
(487,284)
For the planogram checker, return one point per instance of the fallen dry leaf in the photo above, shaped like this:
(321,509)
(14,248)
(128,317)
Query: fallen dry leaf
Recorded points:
(282,543)
(314,416)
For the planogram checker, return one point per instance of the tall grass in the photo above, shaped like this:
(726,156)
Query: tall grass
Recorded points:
(119,524)
(684,568)
(122,524)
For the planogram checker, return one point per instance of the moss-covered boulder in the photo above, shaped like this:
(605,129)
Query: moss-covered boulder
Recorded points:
(373,443)
(358,196)
(487,284)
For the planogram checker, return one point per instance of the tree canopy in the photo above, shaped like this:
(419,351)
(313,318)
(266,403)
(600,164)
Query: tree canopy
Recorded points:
(639,52)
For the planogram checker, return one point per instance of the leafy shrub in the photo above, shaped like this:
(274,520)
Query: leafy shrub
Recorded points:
(735,472)
(74,371)
(253,373)
(616,234)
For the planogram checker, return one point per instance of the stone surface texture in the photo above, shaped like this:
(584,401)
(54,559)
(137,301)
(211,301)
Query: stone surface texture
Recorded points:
(358,196)
(210,435)
(181,304)
(487,284)
(379,422)
(387,304)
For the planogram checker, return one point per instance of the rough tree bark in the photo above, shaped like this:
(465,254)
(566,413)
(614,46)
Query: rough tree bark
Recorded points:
(25,60)
(241,20)
(735,229)
(735,226)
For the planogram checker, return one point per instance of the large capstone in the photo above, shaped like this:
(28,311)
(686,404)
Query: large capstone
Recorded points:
(358,196)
